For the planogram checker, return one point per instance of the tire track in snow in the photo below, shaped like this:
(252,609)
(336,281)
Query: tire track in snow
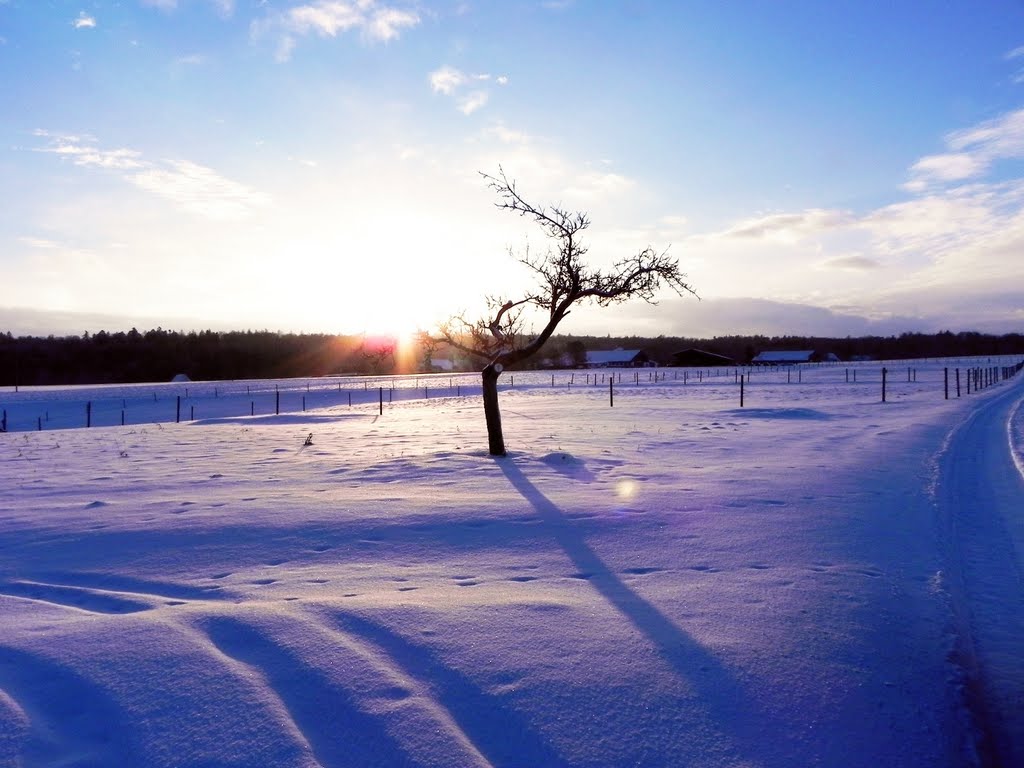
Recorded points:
(980,495)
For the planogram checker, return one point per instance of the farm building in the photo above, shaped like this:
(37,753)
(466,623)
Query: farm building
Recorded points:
(784,357)
(618,358)
(792,357)
(700,358)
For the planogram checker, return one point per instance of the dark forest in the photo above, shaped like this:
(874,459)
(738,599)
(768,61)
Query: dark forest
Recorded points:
(158,355)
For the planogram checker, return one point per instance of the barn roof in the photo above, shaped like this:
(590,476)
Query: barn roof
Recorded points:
(785,356)
(612,356)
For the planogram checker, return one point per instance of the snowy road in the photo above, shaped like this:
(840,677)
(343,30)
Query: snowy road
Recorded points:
(981,497)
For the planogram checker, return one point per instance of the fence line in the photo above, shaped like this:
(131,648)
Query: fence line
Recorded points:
(132,405)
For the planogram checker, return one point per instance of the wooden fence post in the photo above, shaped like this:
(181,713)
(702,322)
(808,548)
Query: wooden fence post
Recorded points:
(884,372)
(945,380)
(741,390)
(611,392)
(177,411)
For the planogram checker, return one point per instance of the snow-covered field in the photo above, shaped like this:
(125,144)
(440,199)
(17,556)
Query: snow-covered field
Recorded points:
(814,579)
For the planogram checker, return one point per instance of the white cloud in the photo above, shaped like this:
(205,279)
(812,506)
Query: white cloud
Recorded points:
(385,23)
(192,187)
(950,167)
(329,18)
(1016,53)
(972,152)
(472,102)
(446,79)
(449,81)
(84,21)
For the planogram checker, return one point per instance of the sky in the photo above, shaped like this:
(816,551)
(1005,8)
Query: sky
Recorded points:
(840,168)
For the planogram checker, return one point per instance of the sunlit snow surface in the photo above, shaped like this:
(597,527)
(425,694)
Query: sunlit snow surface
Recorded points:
(674,580)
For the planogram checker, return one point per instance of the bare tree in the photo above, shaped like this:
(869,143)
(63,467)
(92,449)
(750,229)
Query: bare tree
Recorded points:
(563,278)
(374,352)
(426,345)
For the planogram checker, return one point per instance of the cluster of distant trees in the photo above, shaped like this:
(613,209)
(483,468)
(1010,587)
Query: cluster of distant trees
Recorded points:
(158,355)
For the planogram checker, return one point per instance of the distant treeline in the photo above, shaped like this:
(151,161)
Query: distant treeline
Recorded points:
(742,349)
(159,355)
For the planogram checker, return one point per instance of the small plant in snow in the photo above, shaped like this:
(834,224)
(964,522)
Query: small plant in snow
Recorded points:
(309,440)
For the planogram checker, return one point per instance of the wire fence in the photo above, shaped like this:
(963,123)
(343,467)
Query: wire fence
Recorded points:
(48,408)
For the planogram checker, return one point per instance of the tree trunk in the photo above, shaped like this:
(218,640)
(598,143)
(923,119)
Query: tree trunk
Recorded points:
(495,439)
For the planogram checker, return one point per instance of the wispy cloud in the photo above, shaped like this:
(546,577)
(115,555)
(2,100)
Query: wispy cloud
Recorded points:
(329,18)
(224,7)
(199,190)
(788,227)
(84,21)
(471,102)
(83,152)
(190,186)
(507,135)
(852,263)
(38,242)
(597,184)
(191,60)
(450,81)
(972,152)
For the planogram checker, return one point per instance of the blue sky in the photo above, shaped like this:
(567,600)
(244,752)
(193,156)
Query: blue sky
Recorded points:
(312,165)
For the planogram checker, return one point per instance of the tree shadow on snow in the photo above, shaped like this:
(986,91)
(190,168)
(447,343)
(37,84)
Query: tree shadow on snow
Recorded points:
(725,700)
